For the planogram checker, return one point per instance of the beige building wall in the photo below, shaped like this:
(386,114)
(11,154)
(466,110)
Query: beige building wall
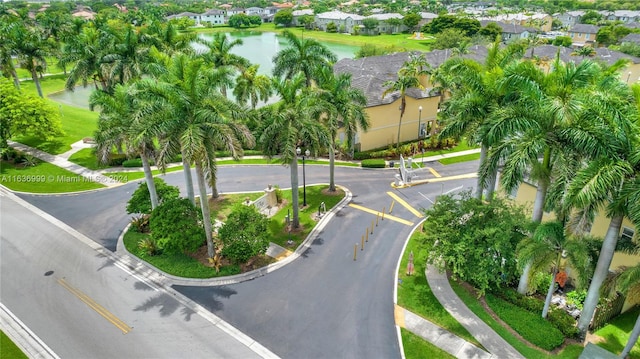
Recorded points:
(384,119)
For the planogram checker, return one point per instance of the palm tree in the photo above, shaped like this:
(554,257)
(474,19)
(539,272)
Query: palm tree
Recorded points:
(86,51)
(127,56)
(546,247)
(166,38)
(220,56)
(32,50)
(197,121)
(408,78)
(584,52)
(547,119)
(7,66)
(347,111)
(118,128)
(302,55)
(610,181)
(291,123)
(475,96)
(251,87)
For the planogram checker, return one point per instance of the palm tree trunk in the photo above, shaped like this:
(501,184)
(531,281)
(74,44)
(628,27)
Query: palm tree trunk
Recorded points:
(148,176)
(600,274)
(16,80)
(633,339)
(204,207)
(398,142)
(491,185)
(295,222)
(538,205)
(483,157)
(552,285)
(523,284)
(187,178)
(332,158)
(36,81)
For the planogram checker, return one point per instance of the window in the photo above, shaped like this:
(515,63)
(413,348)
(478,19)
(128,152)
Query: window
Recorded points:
(626,239)
(588,36)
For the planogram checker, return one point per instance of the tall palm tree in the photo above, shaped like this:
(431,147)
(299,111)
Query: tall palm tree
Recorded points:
(476,95)
(198,120)
(86,51)
(302,55)
(291,123)
(540,140)
(346,111)
(220,56)
(408,78)
(126,58)
(32,49)
(7,49)
(252,87)
(546,248)
(118,128)
(584,52)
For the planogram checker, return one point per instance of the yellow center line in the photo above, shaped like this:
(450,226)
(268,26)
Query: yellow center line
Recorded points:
(434,172)
(406,205)
(386,216)
(97,307)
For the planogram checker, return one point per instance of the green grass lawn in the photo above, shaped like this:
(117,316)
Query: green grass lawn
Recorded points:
(458,159)
(86,158)
(418,348)
(398,42)
(8,349)
(49,84)
(415,294)
(43,178)
(616,333)
(186,266)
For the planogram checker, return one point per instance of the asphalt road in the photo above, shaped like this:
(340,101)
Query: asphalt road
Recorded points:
(323,305)
(83,306)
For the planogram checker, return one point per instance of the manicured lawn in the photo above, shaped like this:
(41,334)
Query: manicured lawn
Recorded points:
(418,348)
(398,42)
(8,349)
(570,351)
(185,266)
(221,207)
(49,84)
(86,158)
(415,294)
(616,333)
(458,159)
(43,178)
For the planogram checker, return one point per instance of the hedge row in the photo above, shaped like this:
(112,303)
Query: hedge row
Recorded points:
(406,149)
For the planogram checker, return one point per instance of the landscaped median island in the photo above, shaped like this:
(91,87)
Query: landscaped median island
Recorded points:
(234,210)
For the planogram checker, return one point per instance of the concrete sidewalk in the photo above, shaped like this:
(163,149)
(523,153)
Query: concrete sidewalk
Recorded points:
(495,344)
(63,162)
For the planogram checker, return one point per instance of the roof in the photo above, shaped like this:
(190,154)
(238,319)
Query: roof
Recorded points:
(584,29)
(370,73)
(383,17)
(603,54)
(509,28)
(213,12)
(635,38)
(302,12)
(428,15)
(339,15)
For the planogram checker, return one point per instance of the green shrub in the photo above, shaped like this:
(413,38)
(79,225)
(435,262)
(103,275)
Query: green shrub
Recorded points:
(116,159)
(140,223)
(278,194)
(374,163)
(244,234)
(135,162)
(175,226)
(148,246)
(530,326)
(564,322)
(140,201)
(540,283)
(577,298)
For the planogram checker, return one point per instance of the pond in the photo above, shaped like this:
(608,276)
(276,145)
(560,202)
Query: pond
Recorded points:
(258,47)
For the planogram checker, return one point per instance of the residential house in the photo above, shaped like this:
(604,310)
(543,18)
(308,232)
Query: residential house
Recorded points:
(234,11)
(214,17)
(511,32)
(542,22)
(299,13)
(369,75)
(625,16)
(254,11)
(425,18)
(269,13)
(583,34)
(632,38)
(570,18)
(344,22)
(191,15)
(384,27)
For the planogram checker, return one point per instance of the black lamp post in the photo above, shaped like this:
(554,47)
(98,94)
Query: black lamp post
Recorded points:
(419,120)
(304,181)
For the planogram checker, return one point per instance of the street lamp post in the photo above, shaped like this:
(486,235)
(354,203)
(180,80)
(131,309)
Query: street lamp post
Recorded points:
(304,181)
(419,119)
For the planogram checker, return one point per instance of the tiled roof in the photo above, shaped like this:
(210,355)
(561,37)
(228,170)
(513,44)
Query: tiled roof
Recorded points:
(383,17)
(370,73)
(338,15)
(635,38)
(584,29)
(509,28)
(603,54)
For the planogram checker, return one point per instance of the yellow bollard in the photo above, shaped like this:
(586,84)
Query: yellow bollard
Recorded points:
(362,239)
(367,235)
(362,244)
(377,216)
(391,207)
(372,226)
(355,251)
(383,213)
